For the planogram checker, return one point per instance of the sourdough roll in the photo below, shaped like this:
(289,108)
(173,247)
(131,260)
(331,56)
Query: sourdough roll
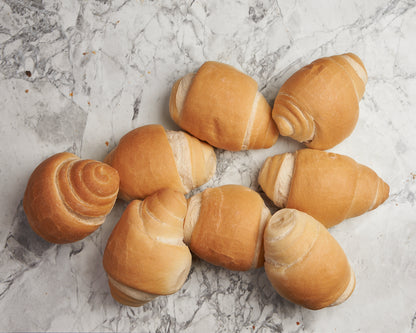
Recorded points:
(304,263)
(330,187)
(150,158)
(67,198)
(318,105)
(145,255)
(224,226)
(222,106)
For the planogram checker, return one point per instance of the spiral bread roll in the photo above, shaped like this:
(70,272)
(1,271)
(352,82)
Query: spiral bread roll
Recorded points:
(145,255)
(67,198)
(224,226)
(304,263)
(149,158)
(222,106)
(328,186)
(318,105)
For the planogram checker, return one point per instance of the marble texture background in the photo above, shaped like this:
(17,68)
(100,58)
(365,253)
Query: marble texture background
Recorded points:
(77,75)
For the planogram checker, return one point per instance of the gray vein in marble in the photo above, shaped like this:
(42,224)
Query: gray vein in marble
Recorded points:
(136,107)
(412,326)
(28,241)
(24,246)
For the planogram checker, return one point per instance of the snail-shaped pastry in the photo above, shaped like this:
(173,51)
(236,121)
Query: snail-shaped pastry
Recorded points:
(145,255)
(318,105)
(67,198)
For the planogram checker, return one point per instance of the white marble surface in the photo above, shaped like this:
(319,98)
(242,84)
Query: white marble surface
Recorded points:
(77,75)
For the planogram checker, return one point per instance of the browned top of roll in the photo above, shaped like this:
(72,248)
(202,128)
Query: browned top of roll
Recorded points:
(145,162)
(226,233)
(346,187)
(228,113)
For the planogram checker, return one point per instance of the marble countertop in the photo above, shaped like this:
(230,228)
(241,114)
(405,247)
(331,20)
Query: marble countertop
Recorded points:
(77,75)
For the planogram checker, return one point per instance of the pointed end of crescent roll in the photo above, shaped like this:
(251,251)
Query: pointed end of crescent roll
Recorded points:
(261,130)
(347,292)
(370,192)
(383,191)
(178,96)
(275,177)
(357,65)
(128,296)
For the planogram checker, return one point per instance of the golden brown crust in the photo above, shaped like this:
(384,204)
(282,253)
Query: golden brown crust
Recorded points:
(145,251)
(304,263)
(328,186)
(145,163)
(66,198)
(332,187)
(218,109)
(318,105)
(227,229)
(224,118)
(149,159)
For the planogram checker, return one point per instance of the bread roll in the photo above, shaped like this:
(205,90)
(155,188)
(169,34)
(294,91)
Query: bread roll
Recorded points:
(304,263)
(222,106)
(149,158)
(224,226)
(328,186)
(318,105)
(145,255)
(67,198)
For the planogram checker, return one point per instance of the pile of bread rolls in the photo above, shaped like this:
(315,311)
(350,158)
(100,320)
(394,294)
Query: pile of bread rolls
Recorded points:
(149,251)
